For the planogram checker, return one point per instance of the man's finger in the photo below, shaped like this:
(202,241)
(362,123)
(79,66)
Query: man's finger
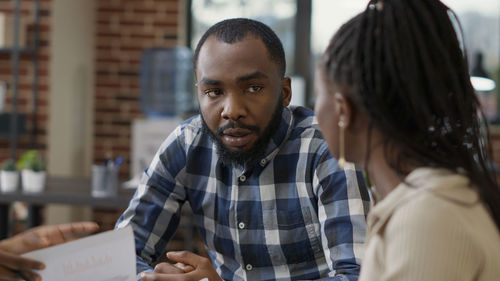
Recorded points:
(7,275)
(149,276)
(64,232)
(185,267)
(15,262)
(10,275)
(186,257)
(29,275)
(50,235)
(167,268)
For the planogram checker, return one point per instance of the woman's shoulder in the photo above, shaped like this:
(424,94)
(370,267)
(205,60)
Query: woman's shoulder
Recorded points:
(450,215)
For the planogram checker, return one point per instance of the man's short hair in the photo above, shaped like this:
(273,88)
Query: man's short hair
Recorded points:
(238,29)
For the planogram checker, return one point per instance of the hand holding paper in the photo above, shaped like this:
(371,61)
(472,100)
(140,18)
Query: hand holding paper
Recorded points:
(108,256)
(11,264)
(39,237)
(46,236)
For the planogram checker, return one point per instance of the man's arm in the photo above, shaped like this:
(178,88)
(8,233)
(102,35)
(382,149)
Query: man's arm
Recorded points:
(154,211)
(343,202)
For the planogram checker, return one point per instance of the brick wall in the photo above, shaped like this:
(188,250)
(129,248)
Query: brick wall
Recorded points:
(124,29)
(25,100)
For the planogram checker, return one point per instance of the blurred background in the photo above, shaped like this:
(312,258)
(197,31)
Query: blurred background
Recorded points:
(83,82)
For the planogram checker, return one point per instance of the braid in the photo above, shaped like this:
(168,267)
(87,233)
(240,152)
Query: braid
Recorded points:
(401,62)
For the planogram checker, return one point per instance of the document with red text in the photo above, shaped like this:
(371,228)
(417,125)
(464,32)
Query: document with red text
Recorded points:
(108,256)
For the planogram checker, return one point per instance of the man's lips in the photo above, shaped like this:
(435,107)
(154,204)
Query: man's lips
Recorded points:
(236,132)
(237,137)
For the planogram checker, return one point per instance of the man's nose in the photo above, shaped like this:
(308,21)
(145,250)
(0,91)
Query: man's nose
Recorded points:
(234,107)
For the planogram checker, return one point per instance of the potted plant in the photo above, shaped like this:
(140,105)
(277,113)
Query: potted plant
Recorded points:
(33,174)
(9,177)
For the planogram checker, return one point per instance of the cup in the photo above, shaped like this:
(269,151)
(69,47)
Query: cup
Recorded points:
(104,181)
(9,180)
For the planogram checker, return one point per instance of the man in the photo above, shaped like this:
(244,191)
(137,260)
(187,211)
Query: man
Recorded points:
(268,199)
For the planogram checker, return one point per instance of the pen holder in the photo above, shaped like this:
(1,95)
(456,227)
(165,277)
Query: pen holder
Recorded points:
(104,181)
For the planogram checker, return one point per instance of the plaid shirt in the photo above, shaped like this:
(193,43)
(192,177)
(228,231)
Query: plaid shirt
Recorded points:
(295,215)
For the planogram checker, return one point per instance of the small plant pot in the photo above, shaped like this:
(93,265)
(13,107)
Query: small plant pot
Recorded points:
(9,180)
(33,182)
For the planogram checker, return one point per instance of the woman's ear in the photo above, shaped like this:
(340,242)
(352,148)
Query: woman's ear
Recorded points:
(286,91)
(343,109)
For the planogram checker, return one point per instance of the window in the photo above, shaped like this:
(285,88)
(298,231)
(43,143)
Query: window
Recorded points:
(277,14)
(327,17)
(480,21)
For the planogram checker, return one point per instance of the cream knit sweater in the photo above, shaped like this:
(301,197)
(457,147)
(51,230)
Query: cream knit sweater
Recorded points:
(433,229)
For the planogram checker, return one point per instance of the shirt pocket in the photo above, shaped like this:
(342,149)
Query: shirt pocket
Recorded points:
(291,236)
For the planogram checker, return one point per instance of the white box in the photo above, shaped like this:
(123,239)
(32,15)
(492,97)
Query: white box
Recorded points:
(147,136)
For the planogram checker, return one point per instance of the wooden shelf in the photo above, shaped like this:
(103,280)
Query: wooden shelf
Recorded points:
(24,50)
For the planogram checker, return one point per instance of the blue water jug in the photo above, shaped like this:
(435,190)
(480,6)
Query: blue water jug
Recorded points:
(166,81)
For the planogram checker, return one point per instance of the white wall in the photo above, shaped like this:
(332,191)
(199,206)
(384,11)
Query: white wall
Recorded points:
(71,74)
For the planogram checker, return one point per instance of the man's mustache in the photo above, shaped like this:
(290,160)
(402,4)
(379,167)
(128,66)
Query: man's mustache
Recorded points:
(234,125)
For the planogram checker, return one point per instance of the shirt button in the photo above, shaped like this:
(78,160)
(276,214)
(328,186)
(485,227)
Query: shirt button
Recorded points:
(243,178)
(241,225)
(263,162)
(249,267)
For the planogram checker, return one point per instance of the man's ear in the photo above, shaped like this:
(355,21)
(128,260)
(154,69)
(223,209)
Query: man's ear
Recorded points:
(343,109)
(286,91)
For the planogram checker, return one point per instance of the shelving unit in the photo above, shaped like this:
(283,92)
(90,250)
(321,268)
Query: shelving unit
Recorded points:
(18,120)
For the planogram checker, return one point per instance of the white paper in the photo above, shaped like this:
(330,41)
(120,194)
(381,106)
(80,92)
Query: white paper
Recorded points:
(108,256)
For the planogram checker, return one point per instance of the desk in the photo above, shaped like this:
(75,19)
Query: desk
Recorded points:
(68,191)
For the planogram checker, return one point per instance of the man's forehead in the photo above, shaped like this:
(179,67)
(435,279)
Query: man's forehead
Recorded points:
(244,57)
(249,44)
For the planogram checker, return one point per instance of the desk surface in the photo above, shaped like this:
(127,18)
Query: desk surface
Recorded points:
(69,191)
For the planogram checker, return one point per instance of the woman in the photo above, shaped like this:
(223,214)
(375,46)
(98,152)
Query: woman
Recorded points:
(394,95)
(15,267)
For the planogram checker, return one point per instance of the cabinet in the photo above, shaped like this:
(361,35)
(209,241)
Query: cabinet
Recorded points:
(13,123)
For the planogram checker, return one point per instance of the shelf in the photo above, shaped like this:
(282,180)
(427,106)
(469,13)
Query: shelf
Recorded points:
(24,50)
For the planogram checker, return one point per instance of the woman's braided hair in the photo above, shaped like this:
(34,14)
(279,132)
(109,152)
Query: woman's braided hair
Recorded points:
(402,64)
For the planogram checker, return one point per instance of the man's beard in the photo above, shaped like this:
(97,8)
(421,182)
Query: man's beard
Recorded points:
(249,157)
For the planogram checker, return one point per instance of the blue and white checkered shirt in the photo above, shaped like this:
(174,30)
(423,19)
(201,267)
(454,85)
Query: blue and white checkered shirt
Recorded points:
(295,215)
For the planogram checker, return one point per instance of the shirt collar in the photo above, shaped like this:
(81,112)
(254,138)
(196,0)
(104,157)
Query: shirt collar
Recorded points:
(282,132)
(277,140)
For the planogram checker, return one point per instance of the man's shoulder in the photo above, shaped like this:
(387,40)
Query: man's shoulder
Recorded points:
(304,123)
(303,117)
(187,133)
(190,128)
(193,123)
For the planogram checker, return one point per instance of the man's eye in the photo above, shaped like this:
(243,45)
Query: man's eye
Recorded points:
(212,92)
(254,89)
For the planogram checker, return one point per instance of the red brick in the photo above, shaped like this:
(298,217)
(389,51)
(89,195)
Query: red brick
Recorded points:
(165,24)
(105,9)
(109,34)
